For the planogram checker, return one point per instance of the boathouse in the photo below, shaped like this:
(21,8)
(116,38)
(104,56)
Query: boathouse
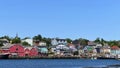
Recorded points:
(31,51)
(13,50)
(115,50)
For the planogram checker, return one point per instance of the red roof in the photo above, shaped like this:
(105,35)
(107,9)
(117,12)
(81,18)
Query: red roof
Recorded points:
(115,48)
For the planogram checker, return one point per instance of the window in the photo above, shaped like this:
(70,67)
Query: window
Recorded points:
(16,49)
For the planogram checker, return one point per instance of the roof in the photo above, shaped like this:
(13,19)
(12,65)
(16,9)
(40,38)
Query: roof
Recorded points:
(115,48)
(29,48)
(91,43)
(106,46)
(4,40)
(8,46)
(59,39)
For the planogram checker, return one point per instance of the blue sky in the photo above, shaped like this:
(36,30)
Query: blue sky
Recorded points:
(61,18)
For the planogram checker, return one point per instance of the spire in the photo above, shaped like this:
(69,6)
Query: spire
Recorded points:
(16,35)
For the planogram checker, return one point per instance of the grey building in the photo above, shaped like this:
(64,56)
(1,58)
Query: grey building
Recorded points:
(55,41)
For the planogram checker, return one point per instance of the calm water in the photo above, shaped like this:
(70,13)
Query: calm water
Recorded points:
(58,63)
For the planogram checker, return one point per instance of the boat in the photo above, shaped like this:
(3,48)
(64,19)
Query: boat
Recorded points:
(105,58)
(4,56)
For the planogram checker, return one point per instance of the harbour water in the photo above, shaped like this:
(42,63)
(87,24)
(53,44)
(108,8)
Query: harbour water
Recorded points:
(59,63)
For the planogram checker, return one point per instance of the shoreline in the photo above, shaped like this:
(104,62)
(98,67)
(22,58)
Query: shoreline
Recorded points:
(56,57)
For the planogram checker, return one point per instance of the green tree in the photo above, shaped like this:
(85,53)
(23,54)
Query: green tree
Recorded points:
(1,43)
(6,37)
(16,40)
(26,38)
(83,41)
(97,40)
(38,37)
(25,44)
(47,40)
(102,41)
(114,42)
(68,40)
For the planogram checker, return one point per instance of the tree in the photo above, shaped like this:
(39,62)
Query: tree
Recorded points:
(83,41)
(26,38)
(25,44)
(38,37)
(16,40)
(1,44)
(114,42)
(102,41)
(6,37)
(47,40)
(97,40)
(68,40)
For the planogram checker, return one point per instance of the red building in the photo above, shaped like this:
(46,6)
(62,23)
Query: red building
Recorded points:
(31,51)
(14,50)
(17,49)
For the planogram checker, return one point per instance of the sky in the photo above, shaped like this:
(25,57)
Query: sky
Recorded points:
(61,18)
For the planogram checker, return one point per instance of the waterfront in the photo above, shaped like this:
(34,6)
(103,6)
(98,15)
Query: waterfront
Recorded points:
(58,63)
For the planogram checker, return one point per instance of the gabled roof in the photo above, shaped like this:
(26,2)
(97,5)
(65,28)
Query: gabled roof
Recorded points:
(91,43)
(6,47)
(57,39)
(29,48)
(115,48)
(106,46)
(60,39)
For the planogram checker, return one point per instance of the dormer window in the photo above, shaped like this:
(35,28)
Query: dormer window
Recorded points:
(16,49)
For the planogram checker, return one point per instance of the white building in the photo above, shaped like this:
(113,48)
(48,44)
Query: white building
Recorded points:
(29,41)
(42,43)
(4,42)
(58,41)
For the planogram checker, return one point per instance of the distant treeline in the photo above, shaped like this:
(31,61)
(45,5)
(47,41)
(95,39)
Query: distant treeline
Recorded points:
(39,37)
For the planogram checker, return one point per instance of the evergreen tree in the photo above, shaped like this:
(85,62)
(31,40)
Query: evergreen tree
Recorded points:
(68,40)
(38,37)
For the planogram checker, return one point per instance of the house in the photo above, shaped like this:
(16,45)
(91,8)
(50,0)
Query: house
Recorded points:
(77,44)
(6,49)
(72,47)
(115,50)
(36,42)
(98,48)
(42,43)
(42,50)
(63,50)
(106,49)
(29,41)
(88,49)
(41,47)
(31,51)
(56,41)
(4,42)
(91,43)
(14,50)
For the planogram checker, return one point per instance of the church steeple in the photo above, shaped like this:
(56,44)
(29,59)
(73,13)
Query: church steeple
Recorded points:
(16,35)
